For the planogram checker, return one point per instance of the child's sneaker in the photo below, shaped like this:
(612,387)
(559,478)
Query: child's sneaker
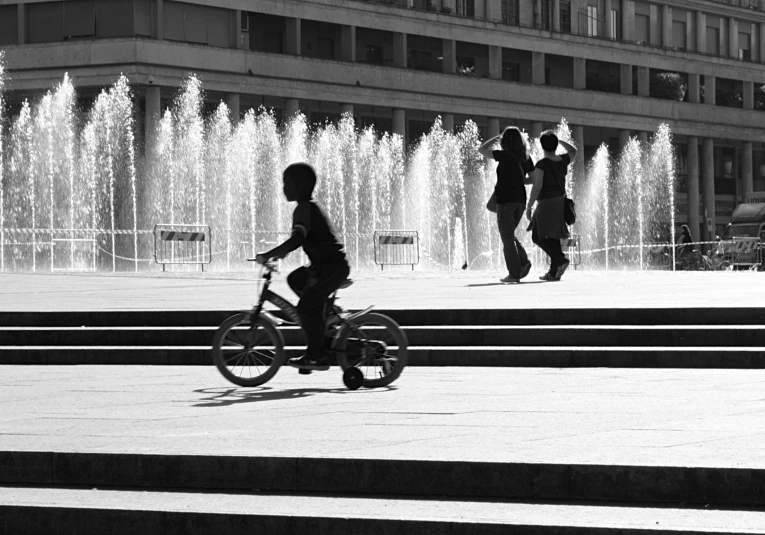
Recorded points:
(310,363)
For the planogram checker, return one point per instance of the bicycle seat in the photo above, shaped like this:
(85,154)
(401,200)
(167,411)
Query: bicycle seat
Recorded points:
(345,284)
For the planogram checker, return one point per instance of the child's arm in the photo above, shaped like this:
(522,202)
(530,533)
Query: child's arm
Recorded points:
(301,222)
(284,248)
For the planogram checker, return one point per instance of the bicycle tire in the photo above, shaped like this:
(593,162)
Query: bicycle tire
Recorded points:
(356,345)
(263,351)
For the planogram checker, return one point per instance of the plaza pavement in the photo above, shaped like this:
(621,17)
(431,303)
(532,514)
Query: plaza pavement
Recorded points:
(389,289)
(589,416)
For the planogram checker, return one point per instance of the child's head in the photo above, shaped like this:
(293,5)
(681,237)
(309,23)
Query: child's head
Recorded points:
(512,141)
(299,181)
(549,141)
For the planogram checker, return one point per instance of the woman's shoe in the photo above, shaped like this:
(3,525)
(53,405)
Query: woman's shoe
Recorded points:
(548,277)
(525,270)
(509,279)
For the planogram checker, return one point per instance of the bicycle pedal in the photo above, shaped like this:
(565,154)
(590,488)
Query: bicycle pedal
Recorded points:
(302,371)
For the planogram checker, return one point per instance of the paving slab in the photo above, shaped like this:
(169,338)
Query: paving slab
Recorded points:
(628,417)
(393,289)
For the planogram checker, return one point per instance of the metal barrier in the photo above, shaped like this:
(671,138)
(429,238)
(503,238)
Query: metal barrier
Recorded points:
(182,244)
(743,251)
(396,248)
(571,247)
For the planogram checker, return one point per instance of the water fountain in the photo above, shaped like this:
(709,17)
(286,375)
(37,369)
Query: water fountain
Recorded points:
(84,190)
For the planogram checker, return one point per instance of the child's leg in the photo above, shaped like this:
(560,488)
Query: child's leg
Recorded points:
(311,306)
(298,280)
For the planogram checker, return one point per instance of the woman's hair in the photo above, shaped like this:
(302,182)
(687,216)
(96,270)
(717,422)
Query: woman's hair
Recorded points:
(549,141)
(685,229)
(513,142)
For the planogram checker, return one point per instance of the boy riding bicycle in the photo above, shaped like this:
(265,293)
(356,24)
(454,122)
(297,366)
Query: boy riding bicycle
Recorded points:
(328,269)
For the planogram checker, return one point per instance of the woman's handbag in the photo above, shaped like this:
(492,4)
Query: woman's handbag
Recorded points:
(491,204)
(569,211)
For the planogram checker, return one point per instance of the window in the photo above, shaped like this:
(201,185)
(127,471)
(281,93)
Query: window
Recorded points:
(374,53)
(45,22)
(615,33)
(325,48)
(466,8)
(466,65)
(743,46)
(678,34)
(642,25)
(510,12)
(511,72)
(565,17)
(592,21)
(546,15)
(194,23)
(9,34)
(713,40)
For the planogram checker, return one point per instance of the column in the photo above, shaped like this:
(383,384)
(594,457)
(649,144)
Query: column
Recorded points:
(761,39)
(578,133)
(399,50)
(607,30)
(709,90)
(537,13)
(449,53)
(293,37)
(624,137)
(693,185)
(628,20)
(701,32)
(157,29)
(232,101)
(747,177)
(538,68)
(447,119)
(666,26)
(493,127)
(643,85)
(732,38)
(399,123)
(348,43)
(748,95)
(625,79)
(580,73)
(346,108)
(21,20)
(536,129)
(694,93)
(495,62)
(556,15)
(291,108)
(708,186)
(153,111)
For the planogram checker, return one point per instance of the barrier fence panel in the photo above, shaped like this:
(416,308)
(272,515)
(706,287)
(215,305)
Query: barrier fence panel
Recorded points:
(396,248)
(743,251)
(182,244)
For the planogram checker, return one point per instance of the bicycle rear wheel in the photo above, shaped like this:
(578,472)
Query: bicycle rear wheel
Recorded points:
(376,345)
(247,354)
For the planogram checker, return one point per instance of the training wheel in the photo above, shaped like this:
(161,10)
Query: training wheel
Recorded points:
(303,371)
(352,378)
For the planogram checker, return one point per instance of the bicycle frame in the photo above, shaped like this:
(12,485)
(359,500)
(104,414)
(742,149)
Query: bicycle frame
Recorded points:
(266,295)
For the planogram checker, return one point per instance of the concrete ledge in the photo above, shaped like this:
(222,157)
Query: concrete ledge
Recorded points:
(514,356)
(405,478)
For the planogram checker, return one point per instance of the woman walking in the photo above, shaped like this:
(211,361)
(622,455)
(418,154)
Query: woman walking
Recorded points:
(548,225)
(513,165)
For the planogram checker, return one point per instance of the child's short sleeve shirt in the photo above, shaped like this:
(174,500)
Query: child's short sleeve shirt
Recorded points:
(320,244)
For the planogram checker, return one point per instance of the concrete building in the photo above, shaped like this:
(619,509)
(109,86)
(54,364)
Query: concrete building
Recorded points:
(399,63)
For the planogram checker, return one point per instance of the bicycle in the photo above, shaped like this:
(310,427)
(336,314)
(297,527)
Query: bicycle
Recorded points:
(369,347)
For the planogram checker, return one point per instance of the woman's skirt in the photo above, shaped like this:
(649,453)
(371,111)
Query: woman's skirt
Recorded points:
(547,219)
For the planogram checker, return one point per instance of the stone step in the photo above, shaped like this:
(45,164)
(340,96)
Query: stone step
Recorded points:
(436,335)
(412,317)
(458,479)
(43,511)
(500,356)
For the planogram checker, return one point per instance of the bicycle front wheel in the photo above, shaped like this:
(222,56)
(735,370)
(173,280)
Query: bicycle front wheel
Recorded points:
(376,345)
(248,354)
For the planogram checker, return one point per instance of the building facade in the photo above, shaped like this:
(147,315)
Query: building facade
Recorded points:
(612,68)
